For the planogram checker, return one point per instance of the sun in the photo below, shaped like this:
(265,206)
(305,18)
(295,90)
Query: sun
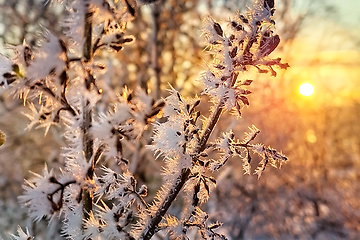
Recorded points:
(306,89)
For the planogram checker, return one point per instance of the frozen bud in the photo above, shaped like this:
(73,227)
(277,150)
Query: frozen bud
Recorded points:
(132,181)
(233,52)
(218,29)
(28,54)
(236,26)
(269,3)
(9,77)
(143,191)
(244,19)
(232,37)
(219,66)
(54,180)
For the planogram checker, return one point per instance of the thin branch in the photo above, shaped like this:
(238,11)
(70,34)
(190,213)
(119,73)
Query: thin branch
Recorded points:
(88,49)
(155,13)
(62,99)
(88,142)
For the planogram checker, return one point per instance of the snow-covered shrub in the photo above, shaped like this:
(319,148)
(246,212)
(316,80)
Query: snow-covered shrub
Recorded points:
(59,82)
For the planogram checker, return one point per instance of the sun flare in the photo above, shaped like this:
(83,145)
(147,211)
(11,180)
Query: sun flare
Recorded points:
(306,89)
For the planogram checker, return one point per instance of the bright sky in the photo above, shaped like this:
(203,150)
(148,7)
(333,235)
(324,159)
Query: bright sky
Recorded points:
(346,11)
(326,53)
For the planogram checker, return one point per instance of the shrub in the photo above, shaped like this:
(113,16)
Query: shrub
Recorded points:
(96,201)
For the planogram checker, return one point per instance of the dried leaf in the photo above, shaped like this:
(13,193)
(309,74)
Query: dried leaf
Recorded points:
(244,91)
(268,45)
(244,100)
(238,108)
(117,48)
(247,82)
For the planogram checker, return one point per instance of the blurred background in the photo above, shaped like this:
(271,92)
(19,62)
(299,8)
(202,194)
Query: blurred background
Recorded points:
(314,196)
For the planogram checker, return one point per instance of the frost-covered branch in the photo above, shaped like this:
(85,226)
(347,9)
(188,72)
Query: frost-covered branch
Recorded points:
(233,53)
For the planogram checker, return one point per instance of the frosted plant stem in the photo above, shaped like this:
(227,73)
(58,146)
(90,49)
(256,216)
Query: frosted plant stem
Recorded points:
(151,227)
(165,205)
(88,50)
(88,150)
(155,48)
(88,141)
(214,118)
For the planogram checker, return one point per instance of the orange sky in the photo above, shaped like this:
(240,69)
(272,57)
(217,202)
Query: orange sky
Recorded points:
(327,54)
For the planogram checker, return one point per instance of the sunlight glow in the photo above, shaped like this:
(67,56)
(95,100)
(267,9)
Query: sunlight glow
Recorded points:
(310,136)
(306,89)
